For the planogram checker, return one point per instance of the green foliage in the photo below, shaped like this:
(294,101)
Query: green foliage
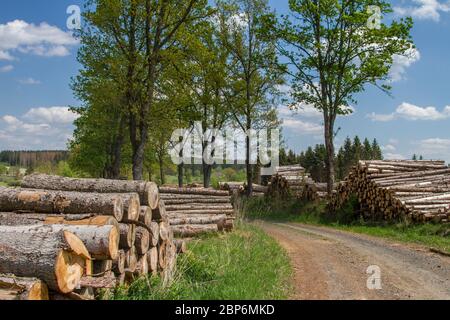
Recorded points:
(3,169)
(244,265)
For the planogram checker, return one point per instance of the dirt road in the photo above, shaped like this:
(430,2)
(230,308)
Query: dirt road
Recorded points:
(331,264)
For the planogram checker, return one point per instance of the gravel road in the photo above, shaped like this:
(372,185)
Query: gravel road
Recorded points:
(332,264)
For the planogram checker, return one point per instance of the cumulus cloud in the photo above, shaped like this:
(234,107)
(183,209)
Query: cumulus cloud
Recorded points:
(401,63)
(42,40)
(60,115)
(434,148)
(303,127)
(7,68)
(39,128)
(412,112)
(424,9)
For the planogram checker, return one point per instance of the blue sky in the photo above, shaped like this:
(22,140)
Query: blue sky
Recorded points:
(38,58)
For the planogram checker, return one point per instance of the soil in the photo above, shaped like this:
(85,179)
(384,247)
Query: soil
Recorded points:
(332,264)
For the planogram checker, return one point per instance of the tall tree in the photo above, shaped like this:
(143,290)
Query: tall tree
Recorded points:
(333,53)
(253,67)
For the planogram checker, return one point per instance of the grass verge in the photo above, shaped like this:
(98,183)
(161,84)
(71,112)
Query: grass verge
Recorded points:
(243,265)
(431,235)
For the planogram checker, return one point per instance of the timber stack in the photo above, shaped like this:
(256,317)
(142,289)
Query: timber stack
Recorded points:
(392,190)
(67,239)
(195,211)
(240,189)
(288,181)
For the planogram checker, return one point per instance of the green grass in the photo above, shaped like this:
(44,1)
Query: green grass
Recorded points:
(431,235)
(243,265)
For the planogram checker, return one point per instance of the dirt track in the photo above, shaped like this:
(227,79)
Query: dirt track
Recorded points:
(331,264)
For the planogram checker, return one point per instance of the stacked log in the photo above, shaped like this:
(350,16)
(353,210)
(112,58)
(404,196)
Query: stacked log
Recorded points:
(393,190)
(78,242)
(240,188)
(288,181)
(195,211)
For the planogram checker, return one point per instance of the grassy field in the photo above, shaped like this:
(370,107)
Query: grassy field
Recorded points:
(431,235)
(244,264)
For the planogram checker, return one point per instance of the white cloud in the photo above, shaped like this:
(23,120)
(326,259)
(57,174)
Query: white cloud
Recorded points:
(29,81)
(42,40)
(412,112)
(50,115)
(434,148)
(424,10)
(394,156)
(389,148)
(39,128)
(303,127)
(401,63)
(7,68)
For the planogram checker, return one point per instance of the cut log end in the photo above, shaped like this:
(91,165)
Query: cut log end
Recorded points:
(69,269)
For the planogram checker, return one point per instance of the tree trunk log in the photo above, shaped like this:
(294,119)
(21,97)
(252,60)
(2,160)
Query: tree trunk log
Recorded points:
(142,242)
(152,259)
(194,191)
(193,230)
(15,288)
(55,256)
(145,215)
(41,201)
(127,235)
(118,266)
(148,191)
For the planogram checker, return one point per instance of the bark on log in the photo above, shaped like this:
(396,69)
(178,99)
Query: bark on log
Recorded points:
(102,242)
(108,281)
(142,242)
(163,232)
(199,206)
(148,191)
(118,266)
(145,215)
(194,191)
(154,234)
(142,266)
(152,259)
(56,256)
(180,245)
(131,260)
(193,230)
(177,220)
(16,288)
(131,206)
(41,201)
(127,235)
(101,267)
(160,214)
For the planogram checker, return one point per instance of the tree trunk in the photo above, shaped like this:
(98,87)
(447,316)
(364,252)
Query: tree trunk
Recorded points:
(131,259)
(193,230)
(63,202)
(55,256)
(193,191)
(118,266)
(248,166)
(15,288)
(207,169)
(148,191)
(154,234)
(329,144)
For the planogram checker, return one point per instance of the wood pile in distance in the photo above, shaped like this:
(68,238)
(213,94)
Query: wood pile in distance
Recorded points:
(288,181)
(53,244)
(195,211)
(240,188)
(391,190)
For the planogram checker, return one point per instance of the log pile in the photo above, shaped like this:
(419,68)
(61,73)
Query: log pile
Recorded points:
(240,188)
(61,243)
(391,190)
(288,181)
(195,211)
